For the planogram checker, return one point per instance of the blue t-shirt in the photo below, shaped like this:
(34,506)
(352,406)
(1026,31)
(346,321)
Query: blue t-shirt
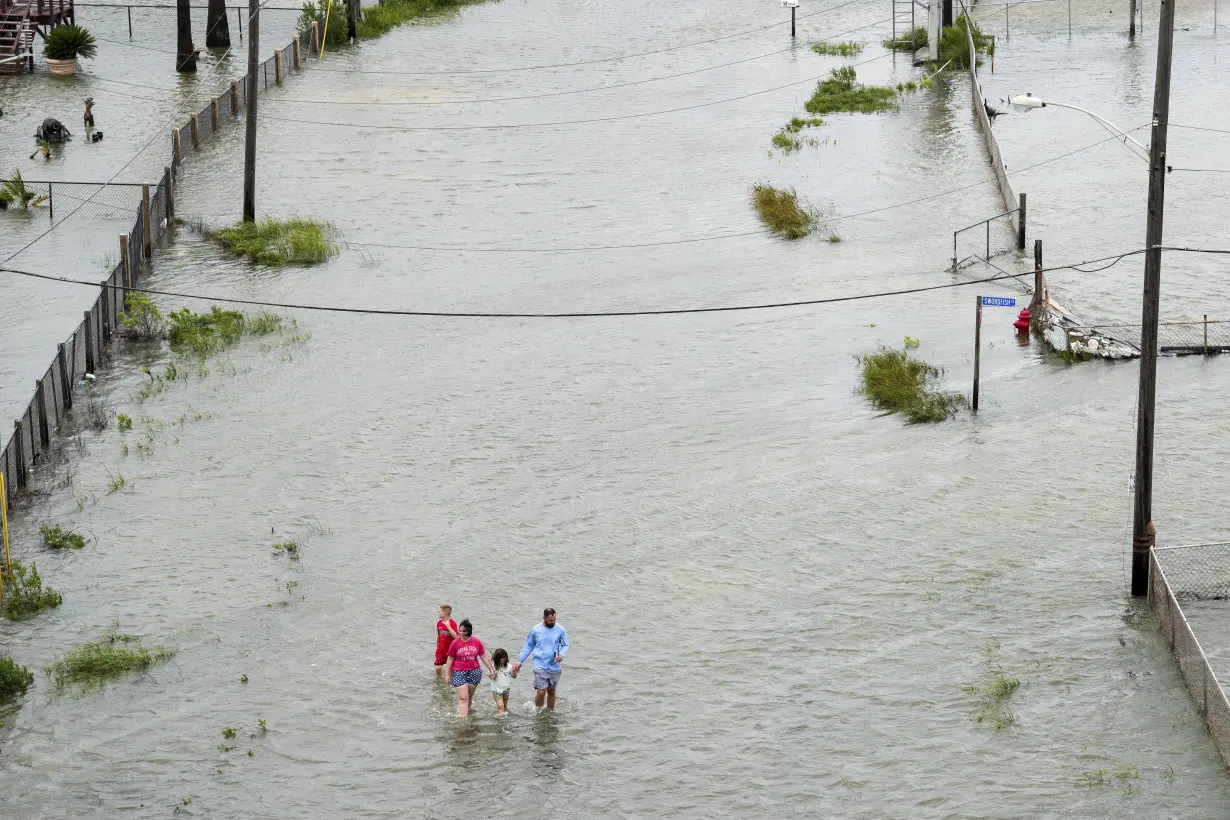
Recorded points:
(545,642)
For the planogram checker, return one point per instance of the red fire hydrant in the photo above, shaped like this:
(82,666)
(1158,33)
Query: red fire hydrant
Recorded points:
(1022,322)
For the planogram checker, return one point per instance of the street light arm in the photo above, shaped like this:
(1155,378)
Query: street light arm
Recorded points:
(1113,128)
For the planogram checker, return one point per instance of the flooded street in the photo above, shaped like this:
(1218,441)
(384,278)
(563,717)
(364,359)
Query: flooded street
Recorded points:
(780,601)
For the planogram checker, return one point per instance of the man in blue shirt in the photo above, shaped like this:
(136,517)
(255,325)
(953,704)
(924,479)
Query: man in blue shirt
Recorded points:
(548,643)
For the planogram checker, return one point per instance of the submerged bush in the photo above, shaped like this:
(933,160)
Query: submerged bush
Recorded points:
(849,48)
(908,41)
(337,33)
(780,210)
(954,45)
(899,383)
(278,242)
(57,538)
(24,593)
(204,333)
(141,318)
(109,656)
(842,92)
(14,679)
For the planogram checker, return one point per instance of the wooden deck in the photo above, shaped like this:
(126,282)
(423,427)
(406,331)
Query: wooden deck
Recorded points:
(41,12)
(20,20)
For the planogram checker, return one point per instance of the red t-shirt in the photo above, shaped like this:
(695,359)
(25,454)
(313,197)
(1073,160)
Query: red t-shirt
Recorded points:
(443,639)
(465,654)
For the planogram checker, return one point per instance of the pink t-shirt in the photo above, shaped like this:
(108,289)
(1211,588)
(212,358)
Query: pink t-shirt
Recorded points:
(465,654)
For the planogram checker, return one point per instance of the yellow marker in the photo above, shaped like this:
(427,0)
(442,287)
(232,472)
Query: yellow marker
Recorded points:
(325,37)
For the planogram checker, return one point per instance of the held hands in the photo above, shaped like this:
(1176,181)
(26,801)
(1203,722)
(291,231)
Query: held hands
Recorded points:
(516,668)
(559,658)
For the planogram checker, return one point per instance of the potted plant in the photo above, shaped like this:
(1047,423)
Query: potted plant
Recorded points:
(65,43)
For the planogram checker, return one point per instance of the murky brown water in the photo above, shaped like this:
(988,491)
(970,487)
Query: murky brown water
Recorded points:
(775,595)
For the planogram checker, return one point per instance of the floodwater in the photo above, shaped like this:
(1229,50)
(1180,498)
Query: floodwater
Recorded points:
(778,599)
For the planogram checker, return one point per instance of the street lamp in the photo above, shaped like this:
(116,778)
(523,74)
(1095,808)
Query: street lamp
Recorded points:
(1029,101)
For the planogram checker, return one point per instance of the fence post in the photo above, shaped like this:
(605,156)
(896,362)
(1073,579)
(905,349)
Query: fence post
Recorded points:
(44,434)
(176,155)
(234,98)
(316,38)
(66,381)
(147,238)
(130,22)
(21,455)
(126,272)
(51,202)
(295,48)
(239,16)
(1020,232)
(196,133)
(90,364)
(1206,334)
(213,114)
(169,180)
(1038,303)
(277,66)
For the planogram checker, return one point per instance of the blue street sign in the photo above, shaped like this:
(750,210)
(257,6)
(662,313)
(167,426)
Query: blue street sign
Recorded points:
(998,301)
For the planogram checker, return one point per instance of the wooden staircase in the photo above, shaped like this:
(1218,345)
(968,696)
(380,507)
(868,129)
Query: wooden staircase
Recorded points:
(20,20)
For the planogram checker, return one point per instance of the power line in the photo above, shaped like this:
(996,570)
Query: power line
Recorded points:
(1200,128)
(590,62)
(561,93)
(587,121)
(606,314)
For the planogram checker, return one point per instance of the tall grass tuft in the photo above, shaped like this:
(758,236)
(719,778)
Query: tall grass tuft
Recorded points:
(24,593)
(58,538)
(111,655)
(842,92)
(278,242)
(894,381)
(847,48)
(14,679)
(908,41)
(954,45)
(780,210)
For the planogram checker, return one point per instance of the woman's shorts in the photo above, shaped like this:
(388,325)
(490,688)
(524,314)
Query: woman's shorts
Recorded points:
(470,677)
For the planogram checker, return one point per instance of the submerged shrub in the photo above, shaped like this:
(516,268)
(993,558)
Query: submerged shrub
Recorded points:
(111,655)
(14,679)
(894,381)
(780,210)
(848,48)
(842,92)
(204,333)
(908,41)
(24,593)
(954,45)
(278,242)
(141,318)
(57,538)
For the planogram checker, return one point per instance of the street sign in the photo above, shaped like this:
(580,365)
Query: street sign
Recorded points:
(998,301)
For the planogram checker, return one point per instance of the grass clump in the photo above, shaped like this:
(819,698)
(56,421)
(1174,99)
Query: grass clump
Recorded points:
(57,538)
(993,697)
(141,318)
(14,679)
(786,143)
(24,593)
(110,656)
(291,548)
(896,382)
(780,210)
(842,92)
(954,45)
(278,242)
(908,41)
(847,48)
(205,333)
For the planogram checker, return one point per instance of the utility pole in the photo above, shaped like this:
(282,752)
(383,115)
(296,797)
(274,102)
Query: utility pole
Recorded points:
(1132,17)
(249,143)
(185,51)
(1143,534)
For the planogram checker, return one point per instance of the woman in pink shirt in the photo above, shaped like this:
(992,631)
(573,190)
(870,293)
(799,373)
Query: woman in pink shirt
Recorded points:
(463,670)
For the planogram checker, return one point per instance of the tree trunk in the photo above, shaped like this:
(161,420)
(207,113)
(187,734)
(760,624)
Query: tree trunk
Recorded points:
(217,27)
(185,52)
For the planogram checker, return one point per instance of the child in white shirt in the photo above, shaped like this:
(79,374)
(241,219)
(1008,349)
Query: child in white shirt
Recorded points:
(501,680)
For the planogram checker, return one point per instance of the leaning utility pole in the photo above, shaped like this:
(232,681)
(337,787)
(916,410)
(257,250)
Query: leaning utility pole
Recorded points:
(1143,535)
(249,143)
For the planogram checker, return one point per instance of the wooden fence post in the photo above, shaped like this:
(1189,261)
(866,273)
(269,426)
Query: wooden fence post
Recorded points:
(316,37)
(169,180)
(234,98)
(295,48)
(90,364)
(1020,237)
(277,66)
(147,238)
(196,133)
(213,114)
(44,434)
(176,154)
(125,272)
(66,380)
(21,457)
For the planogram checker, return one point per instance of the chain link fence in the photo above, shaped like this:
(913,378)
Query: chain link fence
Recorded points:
(1199,572)
(157,24)
(1203,337)
(90,200)
(61,396)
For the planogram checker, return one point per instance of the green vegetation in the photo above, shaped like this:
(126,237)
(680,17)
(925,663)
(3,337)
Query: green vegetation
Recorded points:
(278,242)
(141,318)
(786,142)
(228,733)
(223,747)
(842,92)
(205,333)
(908,41)
(1121,777)
(15,679)
(14,192)
(291,548)
(336,34)
(911,343)
(785,139)
(58,538)
(68,42)
(243,678)
(262,324)
(115,482)
(848,48)
(377,20)
(260,725)
(24,593)
(898,383)
(780,210)
(993,697)
(109,656)
(954,45)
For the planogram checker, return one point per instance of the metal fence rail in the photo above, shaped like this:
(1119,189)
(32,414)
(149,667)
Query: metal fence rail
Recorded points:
(98,200)
(985,240)
(1186,564)
(63,385)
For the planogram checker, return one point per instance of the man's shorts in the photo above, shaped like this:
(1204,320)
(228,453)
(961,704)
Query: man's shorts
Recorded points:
(546,680)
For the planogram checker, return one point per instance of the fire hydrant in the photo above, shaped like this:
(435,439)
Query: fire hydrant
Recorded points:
(1022,322)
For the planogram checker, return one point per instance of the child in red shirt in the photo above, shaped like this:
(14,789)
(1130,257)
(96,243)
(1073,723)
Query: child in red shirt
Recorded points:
(446,631)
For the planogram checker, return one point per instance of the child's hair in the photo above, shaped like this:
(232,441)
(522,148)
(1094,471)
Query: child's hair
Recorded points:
(448,610)
(499,658)
(466,628)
